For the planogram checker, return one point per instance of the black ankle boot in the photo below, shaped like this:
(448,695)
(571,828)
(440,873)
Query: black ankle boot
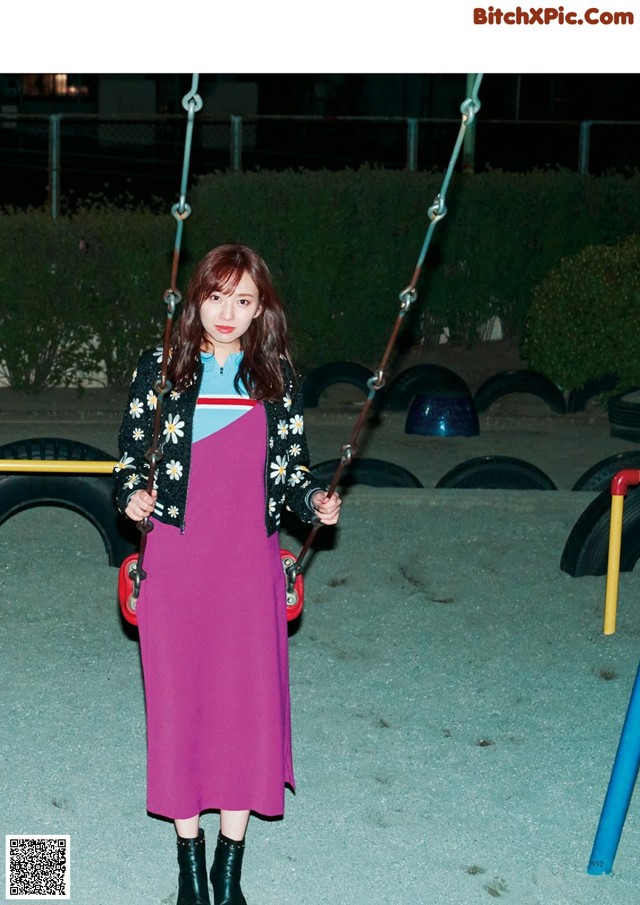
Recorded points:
(225,873)
(193,888)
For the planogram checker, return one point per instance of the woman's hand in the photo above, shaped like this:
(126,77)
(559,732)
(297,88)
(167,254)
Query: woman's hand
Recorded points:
(326,508)
(141,504)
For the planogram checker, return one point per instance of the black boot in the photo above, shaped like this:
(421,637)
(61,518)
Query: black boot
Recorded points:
(193,888)
(225,873)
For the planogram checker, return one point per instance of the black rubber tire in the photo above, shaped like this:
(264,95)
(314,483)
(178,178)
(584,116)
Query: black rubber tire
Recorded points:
(586,551)
(599,476)
(624,416)
(318,380)
(419,378)
(578,398)
(624,411)
(496,473)
(89,495)
(520,381)
(374,472)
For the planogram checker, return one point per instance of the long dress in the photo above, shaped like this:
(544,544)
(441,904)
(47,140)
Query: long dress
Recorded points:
(213,627)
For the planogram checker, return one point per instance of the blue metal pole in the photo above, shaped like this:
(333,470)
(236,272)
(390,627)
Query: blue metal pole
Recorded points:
(236,142)
(620,790)
(584,147)
(54,165)
(412,144)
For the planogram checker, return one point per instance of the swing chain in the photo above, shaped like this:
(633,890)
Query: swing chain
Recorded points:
(192,103)
(438,209)
(469,107)
(346,453)
(181,210)
(407,298)
(436,212)
(172,298)
(292,573)
(162,389)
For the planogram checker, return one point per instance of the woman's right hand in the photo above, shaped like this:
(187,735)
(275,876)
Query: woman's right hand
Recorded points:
(141,504)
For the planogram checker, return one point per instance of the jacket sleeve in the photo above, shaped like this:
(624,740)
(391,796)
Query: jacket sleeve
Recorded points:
(136,432)
(301,484)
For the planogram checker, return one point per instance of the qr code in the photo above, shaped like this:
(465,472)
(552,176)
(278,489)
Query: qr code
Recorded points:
(38,867)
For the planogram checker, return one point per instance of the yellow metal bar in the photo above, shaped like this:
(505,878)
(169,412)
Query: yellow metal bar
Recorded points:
(57,465)
(613,565)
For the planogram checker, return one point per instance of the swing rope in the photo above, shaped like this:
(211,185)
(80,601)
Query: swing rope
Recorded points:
(435,212)
(192,103)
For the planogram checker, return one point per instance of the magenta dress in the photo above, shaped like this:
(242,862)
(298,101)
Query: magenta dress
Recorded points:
(213,635)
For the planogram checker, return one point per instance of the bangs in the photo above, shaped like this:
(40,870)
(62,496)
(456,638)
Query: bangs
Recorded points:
(225,279)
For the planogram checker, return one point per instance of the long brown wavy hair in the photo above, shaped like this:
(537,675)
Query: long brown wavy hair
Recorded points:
(264,342)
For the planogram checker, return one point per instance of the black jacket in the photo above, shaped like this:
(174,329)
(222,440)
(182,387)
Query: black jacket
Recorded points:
(288,480)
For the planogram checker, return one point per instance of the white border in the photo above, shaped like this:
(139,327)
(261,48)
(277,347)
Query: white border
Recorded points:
(347,36)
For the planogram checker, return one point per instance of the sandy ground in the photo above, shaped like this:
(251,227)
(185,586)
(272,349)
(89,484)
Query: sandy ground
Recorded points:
(456,706)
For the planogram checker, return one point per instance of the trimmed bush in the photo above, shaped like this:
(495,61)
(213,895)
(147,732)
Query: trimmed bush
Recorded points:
(583,318)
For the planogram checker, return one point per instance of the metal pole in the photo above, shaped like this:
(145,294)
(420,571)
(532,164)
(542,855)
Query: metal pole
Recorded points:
(54,165)
(236,142)
(517,99)
(584,147)
(412,144)
(620,790)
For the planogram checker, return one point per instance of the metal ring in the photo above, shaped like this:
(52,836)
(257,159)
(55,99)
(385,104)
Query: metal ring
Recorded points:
(192,95)
(438,209)
(346,453)
(408,297)
(153,456)
(181,214)
(163,390)
(171,298)
(377,381)
(145,527)
(469,107)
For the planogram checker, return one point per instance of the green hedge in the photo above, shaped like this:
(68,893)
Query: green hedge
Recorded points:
(80,295)
(341,247)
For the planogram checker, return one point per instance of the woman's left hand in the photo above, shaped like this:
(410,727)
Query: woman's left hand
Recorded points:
(327,508)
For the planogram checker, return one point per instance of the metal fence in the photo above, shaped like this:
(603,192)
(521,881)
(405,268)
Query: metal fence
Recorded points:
(63,159)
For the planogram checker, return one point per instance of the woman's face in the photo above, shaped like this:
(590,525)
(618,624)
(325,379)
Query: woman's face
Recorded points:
(226,314)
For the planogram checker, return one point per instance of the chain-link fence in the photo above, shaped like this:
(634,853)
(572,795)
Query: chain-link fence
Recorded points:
(83,156)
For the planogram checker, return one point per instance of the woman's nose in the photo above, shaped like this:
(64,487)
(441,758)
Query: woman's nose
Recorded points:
(227,310)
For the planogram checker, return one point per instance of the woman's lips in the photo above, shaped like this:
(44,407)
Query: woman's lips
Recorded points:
(224,329)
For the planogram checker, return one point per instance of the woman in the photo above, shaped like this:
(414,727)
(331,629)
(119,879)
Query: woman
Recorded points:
(212,610)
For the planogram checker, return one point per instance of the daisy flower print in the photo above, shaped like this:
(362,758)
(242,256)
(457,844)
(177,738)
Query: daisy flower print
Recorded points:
(173,428)
(174,470)
(297,424)
(279,469)
(135,408)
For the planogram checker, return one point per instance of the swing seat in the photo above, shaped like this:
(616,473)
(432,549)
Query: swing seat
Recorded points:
(295,597)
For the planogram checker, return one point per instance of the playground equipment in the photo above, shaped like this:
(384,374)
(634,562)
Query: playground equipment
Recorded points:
(132,572)
(442,413)
(619,486)
(621,783)
(627,760)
